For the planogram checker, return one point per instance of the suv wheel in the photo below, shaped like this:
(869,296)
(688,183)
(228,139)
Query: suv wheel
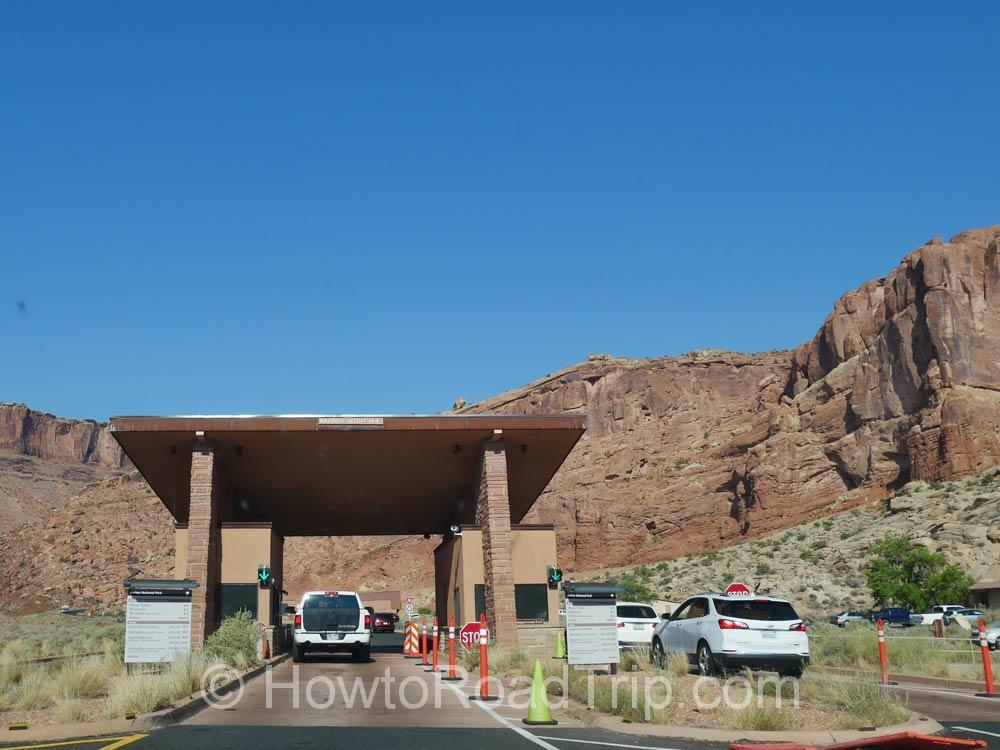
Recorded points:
(706,662)
(657,652)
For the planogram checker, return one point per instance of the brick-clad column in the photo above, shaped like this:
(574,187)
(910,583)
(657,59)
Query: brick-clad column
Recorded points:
(203,542)
(493,517)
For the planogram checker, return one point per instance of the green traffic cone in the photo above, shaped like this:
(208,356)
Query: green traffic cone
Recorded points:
(560,646)
(538,709)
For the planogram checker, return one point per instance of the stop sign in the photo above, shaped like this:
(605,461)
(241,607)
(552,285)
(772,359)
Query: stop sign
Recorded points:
(469,636)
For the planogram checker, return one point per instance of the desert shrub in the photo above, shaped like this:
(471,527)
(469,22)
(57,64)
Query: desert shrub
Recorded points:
(71,711)
(613,695)
(500,660)
(634,659)
(764,718)
(235,642)
(32,692)
(138,694)
(865,701)
(676,664)
(80,678)
(11,670)
(762,569)
(184,675)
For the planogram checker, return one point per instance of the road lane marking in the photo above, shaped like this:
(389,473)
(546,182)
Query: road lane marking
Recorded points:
(977,731)
(124,741)
(510,725)
(610,744)
(116,742)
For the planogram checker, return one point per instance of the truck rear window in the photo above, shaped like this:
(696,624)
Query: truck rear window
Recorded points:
(336,612)
(752,609)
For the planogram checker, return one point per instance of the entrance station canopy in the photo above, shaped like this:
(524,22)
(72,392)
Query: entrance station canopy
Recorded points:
(349,475)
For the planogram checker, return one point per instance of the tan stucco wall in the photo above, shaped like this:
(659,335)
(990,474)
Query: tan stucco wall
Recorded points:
(244,547)
(458,562)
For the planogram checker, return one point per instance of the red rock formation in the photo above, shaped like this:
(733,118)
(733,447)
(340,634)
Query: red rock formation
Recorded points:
(689,453)
(35,433)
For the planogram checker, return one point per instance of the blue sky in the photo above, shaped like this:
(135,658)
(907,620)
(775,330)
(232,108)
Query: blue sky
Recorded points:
(323,207)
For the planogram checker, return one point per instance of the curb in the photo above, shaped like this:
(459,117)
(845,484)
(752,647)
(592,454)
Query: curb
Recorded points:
(804,736)
(192,706)
(181,710)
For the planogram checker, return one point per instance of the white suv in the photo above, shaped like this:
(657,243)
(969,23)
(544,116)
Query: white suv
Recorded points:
(635,624)
(332,621)
(733,630)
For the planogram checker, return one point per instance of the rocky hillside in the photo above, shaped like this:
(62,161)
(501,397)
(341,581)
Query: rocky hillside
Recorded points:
(693,453)
(901,382)
(820,565)
(80,553)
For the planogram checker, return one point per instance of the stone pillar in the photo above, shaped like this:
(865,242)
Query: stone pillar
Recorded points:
(493,517)
(203,554)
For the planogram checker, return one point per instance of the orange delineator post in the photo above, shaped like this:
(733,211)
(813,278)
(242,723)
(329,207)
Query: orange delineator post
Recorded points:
(987,664)
(434,646)
(451,650)
(883,659)
(484,671)
(423,641)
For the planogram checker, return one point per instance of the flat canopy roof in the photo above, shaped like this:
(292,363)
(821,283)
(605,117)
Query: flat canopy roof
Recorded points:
(348,475)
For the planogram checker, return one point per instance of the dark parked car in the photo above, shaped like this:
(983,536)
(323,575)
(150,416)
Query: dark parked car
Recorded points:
(384,622)
(899,616)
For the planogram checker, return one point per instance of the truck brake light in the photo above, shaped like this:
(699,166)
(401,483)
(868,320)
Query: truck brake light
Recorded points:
(368,622)
(298,621)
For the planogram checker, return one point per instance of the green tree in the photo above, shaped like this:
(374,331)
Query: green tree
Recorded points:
(910,575)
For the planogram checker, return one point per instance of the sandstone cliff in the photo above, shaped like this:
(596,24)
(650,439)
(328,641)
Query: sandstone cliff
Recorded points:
(684,454)
(35,433)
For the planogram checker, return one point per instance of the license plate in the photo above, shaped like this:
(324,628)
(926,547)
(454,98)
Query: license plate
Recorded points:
(769,636)
(638,626)
(333,636)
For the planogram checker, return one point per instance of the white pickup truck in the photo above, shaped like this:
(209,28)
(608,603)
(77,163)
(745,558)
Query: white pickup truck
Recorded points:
(332,621)
(938,612)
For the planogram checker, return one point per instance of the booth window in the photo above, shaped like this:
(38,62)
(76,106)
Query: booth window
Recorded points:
(531,601)
(480,593)
(233,597)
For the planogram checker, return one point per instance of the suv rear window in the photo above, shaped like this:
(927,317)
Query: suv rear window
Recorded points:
(626,610)
(755,609)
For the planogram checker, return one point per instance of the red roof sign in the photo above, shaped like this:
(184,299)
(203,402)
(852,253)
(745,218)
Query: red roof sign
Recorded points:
(738,589)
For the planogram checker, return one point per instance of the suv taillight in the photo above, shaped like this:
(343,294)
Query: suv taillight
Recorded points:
(733,625)
(368,622)
(799,626)
(621,624)
(298,621)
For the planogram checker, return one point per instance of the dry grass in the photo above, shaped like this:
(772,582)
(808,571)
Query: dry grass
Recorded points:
(763,718)
(140,694)
(86,678)
(909,650)
(32,692)
(71,712)
(863,701)
(676,664)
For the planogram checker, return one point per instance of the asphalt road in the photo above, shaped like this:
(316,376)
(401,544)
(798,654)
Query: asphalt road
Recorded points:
(945,705)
